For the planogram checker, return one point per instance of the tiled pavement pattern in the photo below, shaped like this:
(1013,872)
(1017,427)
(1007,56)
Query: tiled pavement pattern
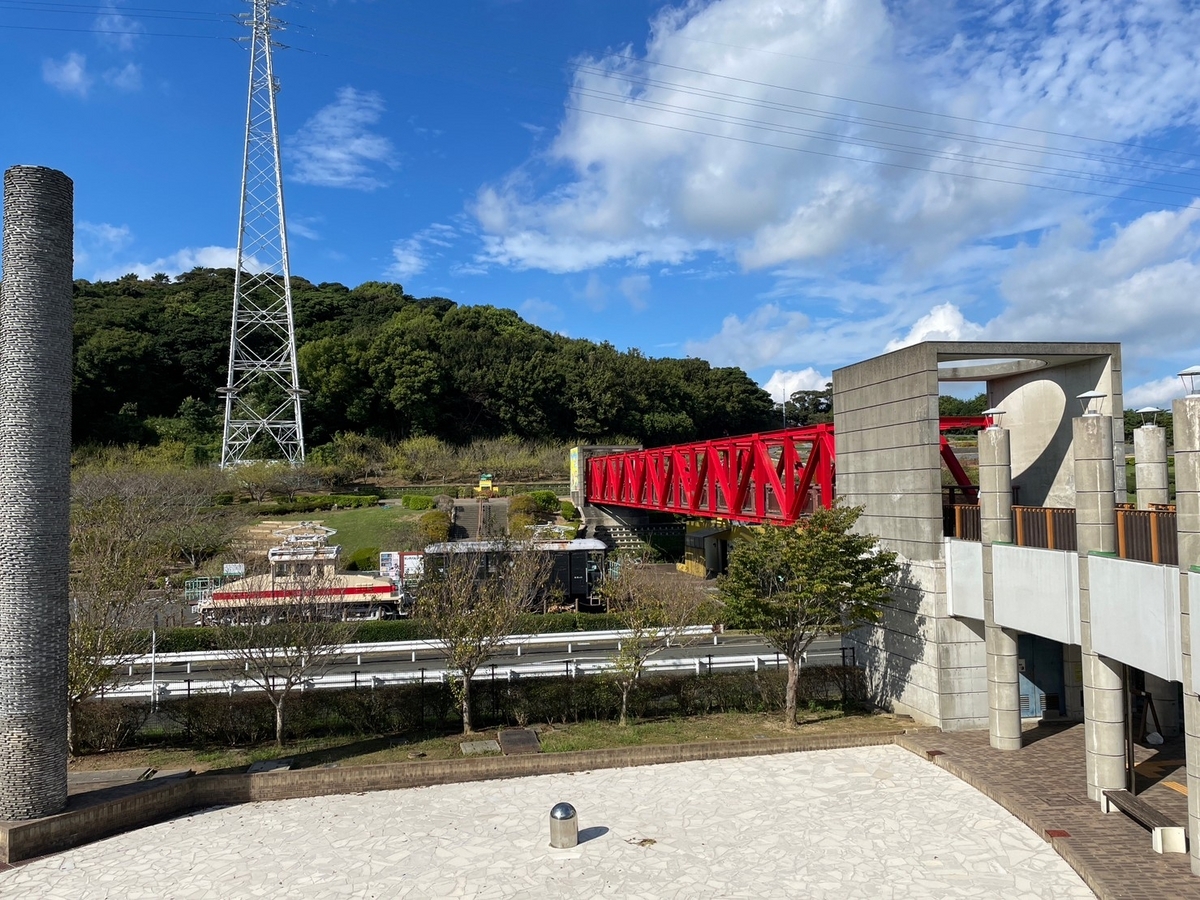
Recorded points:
(872,822)
(1045,785)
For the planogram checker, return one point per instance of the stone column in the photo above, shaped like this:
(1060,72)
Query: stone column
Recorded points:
(1187,505)
(1096,529)
(1150,465)
(35,490)
(995,513)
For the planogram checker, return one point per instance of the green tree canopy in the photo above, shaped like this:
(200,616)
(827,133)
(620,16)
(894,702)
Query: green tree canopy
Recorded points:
(819,577)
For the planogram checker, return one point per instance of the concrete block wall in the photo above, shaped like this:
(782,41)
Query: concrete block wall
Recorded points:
(919,660)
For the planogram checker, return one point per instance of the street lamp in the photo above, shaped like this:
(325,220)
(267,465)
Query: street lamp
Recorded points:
(1151,413)
(1090,401)
(1190,376)
(994,415)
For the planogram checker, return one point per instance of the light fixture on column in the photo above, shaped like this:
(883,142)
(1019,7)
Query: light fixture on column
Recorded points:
(1191,380)
(1149,413)
(1090,401)
(993,416)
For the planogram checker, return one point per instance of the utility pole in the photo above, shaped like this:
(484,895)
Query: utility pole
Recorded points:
(262,395)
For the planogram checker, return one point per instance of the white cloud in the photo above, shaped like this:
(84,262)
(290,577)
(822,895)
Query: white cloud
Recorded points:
(662,154)
(942,323)
(1159,392)
(757,340)
(635,288)
(97,242)
(1136,283)
(408,259)
(69,75)
(303,227)
(337,148)
(126,78)
(181,261)
(116,29)
(411,255)
(540,312)
(783,383)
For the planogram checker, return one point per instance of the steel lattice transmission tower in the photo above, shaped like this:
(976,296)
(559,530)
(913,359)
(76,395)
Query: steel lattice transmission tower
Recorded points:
(262,396)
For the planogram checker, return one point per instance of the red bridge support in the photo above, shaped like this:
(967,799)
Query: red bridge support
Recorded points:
(774,477)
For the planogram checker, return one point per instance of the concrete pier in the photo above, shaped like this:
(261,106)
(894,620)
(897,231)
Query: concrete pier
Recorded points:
(35,490)
(1187,505)
(1150,465)
(1096,529)
(995,512)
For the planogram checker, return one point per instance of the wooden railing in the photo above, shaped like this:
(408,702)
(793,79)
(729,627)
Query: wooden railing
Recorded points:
(1148,535)
(1044,526)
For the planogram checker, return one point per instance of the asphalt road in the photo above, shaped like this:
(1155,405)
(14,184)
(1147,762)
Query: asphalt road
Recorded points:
(823,651)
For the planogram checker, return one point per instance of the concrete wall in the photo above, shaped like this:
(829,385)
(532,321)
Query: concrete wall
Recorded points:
(1037,591)
(1039,406)
(964,578)
(919,660)
(1135,614)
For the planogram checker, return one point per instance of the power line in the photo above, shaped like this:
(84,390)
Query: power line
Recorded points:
(923,112)
(894,165)
(1012,165)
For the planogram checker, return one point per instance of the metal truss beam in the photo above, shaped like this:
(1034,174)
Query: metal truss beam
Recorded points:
(775,477)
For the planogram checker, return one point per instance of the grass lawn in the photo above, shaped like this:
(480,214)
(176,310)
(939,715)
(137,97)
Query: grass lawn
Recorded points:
(555,739)
(359,529)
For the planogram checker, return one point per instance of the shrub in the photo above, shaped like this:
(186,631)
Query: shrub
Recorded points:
(107,724)
(520,526)
(547,501)
(417,501)
(522,505)
(568,511)
(365,559)
(434,527)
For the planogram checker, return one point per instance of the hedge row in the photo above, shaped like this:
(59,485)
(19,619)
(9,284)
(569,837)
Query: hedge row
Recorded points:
(417,501)
(188,640)
(205,720)
(319,503)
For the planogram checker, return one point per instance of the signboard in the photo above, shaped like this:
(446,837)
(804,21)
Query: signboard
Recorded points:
(235,570)
(389,565)
(576,473)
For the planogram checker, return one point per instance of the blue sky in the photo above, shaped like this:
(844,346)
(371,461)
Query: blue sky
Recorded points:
(783,185)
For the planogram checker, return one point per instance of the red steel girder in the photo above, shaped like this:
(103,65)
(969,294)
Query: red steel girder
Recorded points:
(777,476)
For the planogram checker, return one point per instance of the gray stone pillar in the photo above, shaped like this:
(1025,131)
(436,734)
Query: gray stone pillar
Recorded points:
(995,513)
(1096,528)
(35,490)
(1150,465)
(1187,505)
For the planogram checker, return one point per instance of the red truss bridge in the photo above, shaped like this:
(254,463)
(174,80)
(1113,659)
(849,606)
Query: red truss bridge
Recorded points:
(777,476)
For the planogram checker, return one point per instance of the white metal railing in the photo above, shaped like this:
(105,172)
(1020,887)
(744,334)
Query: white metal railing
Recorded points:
(573,668)
(520,641)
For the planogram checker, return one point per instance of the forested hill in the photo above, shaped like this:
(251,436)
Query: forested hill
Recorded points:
(150,355)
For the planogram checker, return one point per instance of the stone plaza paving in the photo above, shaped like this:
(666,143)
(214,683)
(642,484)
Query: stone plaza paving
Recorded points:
(873,822)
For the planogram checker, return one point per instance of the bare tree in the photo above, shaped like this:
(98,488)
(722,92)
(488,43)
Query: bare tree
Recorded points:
(654,608)
(120,551)
(472,601)
(287,628)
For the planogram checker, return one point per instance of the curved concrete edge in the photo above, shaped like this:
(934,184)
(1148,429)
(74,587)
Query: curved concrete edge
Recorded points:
(1013,804)
(90,818)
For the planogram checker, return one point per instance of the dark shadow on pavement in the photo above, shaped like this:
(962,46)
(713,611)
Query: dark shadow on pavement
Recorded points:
(590,834)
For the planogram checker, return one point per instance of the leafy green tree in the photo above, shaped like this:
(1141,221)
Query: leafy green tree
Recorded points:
(819,577)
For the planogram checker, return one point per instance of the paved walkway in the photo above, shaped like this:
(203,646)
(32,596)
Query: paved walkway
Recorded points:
(1045,784)
(860,824)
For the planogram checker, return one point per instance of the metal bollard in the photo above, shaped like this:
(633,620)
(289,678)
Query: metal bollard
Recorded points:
(564,826)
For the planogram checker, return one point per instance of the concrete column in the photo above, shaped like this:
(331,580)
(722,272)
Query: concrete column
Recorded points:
(1096,529)
(1187,505)
(35,490)
(1150,465)
(995,513)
